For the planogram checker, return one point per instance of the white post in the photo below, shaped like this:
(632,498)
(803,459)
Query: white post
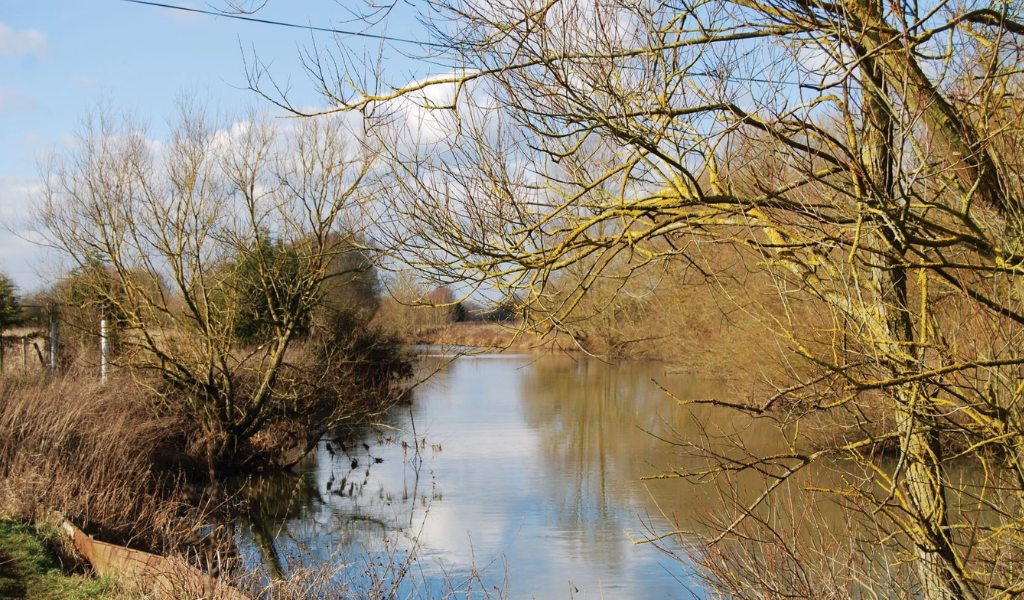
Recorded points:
(53,338)
(104,348)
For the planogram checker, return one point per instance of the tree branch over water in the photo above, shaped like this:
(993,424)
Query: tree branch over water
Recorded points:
(861,158)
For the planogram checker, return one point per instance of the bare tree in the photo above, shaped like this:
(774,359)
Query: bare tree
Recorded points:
(225,224)
(867,153)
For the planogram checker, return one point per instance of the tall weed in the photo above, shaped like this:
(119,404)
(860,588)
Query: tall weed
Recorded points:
(99,454)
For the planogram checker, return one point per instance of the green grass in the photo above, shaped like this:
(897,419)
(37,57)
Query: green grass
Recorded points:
(29,569)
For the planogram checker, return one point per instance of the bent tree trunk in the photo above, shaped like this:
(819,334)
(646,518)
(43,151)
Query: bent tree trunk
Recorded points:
(920,470)
(938,568)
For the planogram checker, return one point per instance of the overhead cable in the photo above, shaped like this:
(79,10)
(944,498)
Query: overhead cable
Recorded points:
(251,19)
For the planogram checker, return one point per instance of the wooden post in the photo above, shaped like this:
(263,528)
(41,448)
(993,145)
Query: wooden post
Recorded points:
(39,353)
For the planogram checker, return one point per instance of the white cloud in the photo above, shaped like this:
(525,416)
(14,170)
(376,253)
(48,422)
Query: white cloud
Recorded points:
(25,41)
(16,193)
(20,256)
(14,101)
(427,113)
(430,111)
(85,82)
(225,140)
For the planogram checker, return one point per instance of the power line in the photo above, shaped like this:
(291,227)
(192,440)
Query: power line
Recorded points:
(388,38)
(214,13)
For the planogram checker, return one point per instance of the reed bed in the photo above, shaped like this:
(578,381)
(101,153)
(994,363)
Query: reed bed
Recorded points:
(99,454)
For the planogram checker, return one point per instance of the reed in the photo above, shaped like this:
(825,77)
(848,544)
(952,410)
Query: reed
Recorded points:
(99,454)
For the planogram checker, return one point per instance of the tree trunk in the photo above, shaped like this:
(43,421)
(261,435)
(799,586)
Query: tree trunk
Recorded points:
(916,417)
(920,459)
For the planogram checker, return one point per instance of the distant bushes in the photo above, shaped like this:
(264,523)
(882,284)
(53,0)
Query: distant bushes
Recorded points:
(420,313)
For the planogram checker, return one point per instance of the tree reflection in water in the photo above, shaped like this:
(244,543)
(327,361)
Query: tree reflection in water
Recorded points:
(541,464)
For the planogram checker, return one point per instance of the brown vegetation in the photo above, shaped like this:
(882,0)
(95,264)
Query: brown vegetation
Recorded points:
(102,455)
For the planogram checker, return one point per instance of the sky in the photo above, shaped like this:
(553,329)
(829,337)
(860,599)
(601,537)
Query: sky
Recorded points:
(60,58)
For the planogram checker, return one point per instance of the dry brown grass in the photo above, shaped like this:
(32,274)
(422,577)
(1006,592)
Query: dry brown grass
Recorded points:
(99,454)
(498,336)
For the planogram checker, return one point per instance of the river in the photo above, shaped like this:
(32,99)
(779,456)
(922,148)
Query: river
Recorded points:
(515,474)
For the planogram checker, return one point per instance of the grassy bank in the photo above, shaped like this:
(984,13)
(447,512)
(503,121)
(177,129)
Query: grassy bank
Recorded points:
(30,569)
(497,336)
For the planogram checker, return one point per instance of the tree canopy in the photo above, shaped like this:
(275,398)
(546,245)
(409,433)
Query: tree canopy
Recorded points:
(10,303)
(213,249)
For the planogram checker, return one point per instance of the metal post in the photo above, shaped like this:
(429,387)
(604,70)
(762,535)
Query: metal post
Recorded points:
(104,348)
(53,338)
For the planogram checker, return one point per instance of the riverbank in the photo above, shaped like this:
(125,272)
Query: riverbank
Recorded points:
(717,354)
(123,467)
(490,335)
(30,569)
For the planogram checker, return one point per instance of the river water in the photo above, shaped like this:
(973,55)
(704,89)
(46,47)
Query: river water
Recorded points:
(518,474)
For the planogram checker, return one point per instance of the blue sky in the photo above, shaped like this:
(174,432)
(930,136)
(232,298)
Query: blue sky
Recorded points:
(59,58)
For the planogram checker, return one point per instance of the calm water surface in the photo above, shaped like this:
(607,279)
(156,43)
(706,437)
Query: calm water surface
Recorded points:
(527,467)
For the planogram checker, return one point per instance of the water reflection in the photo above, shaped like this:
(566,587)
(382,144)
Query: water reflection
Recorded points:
(534,459)
(607,426)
